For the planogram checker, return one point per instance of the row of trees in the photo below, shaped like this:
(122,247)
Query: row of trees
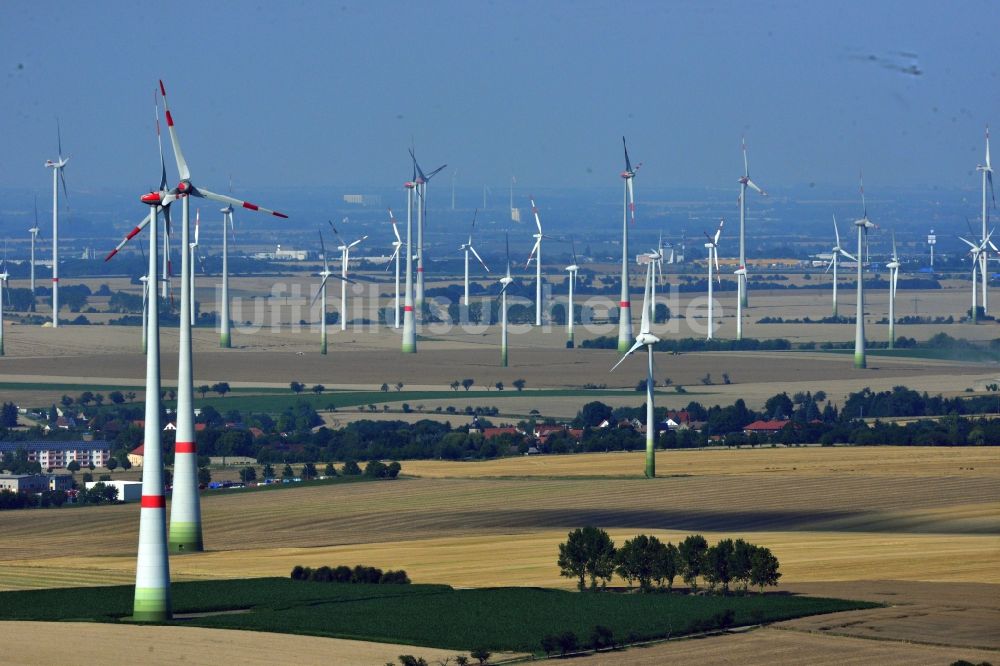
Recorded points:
(345,574)
(589,554)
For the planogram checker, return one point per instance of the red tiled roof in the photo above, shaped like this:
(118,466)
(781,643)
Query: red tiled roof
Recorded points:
(766,426)
(137,451)
(496,432)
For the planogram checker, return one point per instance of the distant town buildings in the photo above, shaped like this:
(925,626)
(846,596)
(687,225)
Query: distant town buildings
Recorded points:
(59,454)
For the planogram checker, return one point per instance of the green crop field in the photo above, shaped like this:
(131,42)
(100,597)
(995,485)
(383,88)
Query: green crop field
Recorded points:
(508,619)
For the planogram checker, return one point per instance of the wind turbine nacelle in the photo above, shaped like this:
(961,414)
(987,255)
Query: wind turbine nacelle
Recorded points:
(409,184)
(152,198)
(572,268)
(740,271)
(646,339)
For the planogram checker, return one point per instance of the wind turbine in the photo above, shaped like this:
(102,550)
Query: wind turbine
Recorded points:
(893,267)
(326,273)
(185,514)
(467,248)
(987,172)
(409,345)
(345,258)
(57,167)
(397,244)
(572,269)
(191,260)
(713,257)
(628,206)
(835,262)
(536,252)
(152,575)
(863,225)
(657,272)
(646,339)
(421,185)
(505,282)
(225,339)
(977,251)
(745,182)
(34,235)
(3,285)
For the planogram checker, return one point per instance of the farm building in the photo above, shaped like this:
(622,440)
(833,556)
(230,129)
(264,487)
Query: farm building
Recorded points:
(765,427)
(60,454)
(24,483)
(128,491)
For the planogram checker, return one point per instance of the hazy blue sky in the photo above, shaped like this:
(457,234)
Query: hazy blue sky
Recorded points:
(330,93)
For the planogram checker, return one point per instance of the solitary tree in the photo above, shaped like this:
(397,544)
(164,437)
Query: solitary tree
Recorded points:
(399,386)
(130,395)
(287,472)
(73,467)
(297,387)
(222,388)
(384,388)
(587,552)
(519,384)
(330,470)
(455,384)
(318,389)
(481,654)
(268,471)
(116,397)
(499,386)
(309,471)
(467,383)
(112,464)
(248,474)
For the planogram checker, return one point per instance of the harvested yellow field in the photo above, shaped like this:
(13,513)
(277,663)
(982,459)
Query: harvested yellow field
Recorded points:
(121,644)
(793,461)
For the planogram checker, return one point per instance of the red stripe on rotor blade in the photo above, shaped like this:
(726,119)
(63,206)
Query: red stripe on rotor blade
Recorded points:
(624,304)
(249,206)
(163,90)
(185,447)
(170,119)
(407,308)
(154,502)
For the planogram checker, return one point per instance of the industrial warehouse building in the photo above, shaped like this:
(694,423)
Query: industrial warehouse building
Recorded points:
(128,491)
(59,454)
(24,483)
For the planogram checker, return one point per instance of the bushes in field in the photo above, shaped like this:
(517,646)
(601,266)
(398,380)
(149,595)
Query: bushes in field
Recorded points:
(345,574)
(589,552)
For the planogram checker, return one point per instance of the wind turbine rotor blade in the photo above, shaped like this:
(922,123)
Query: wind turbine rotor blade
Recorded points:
(319,291)
(746,162)
(836,230)
(59,139)
(848,255)
(628,162)
(631,199)
(830,265)
(182,167)
(159,142)
(475,214)
(139,227)
(625,356)
(197,225)
(322,245)
(435,172)
(237,202)
(62,179)
(970,244)
(476,255)
(754,185)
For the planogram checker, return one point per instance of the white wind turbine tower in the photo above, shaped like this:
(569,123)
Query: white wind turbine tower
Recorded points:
(572,269)
(409,345)
(185,516)
(987,172)
(421,186)
(647,339)
(467,249)
(191,260)
(628,206)
(505,282)
(34,236)
(977,251)
(397,244)
(4,276)
(745,182)
(536,253)
(345,259)
(225,338)
(57,167)
(713,258)
(863,225)
(835,262)
(657,272)
(893,267)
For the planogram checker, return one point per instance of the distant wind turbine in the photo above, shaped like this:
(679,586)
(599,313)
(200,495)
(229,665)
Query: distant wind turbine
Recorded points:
(863,225)
(745,182)
(57,166)
(505,282)
(987,172)
(467,249)
(536,253)
(421,186)
(893,267)
(835,262)
(572,269)
(628,206)
(647,339)
(345,259)
(34,236)
(4,276)
(713,258)
(396,245)
(409,345)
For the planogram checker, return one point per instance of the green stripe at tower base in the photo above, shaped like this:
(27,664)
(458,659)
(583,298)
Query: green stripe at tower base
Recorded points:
(185,538)
(152,604)
(224,341)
